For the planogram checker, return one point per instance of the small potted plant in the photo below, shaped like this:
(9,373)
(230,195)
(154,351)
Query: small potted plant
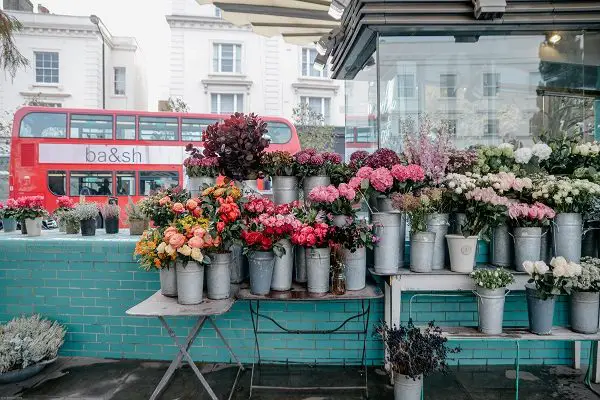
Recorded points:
(239,143)
(31,212)
(547,282)
(110,213)
(585,297)
(9,212)
(28,344)
(63,204)
(87,213)
(490,286)
(314,168)
(72,225)
(413,354)
(282,168)
(201,171)
(136,218)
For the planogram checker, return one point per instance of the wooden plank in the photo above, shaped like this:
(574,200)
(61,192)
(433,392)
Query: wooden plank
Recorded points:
(299,292)
(520,334)
(159,305)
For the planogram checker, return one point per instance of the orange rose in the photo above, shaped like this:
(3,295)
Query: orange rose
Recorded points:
(196,242)
(208,191)
(164,200)
(197,212)
(198,231)
(177,240)
(178,208)
(170,231)
(191,204)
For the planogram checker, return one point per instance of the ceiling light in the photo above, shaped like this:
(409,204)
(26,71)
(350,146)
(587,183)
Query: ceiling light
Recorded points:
(327,42)
(320,62)
(554,38)
(336,9)
(322,45)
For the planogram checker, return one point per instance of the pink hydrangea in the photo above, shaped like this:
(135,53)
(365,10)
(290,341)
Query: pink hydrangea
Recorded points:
(364,172)
(381,179)
(347,191)
(355,182)
(324,194)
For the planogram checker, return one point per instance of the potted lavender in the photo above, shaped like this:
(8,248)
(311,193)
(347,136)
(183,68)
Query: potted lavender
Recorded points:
(87,214)
(201,171)
(111,213)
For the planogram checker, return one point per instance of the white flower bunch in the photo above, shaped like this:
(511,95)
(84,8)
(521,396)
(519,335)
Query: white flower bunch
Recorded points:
(591,149)
(460,184)
(492,278)
(589,279)
(563,268)
(523,155)
(553,280)
(535,267)
(542,151)
(568,195)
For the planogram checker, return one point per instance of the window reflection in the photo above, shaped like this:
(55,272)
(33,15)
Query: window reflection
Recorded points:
(46,125)
(125,127)
(91,126)
(91,183)
(57,182)
(151,181)
(125,183)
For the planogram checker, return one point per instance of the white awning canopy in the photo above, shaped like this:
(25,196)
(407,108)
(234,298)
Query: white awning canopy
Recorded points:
(298,21)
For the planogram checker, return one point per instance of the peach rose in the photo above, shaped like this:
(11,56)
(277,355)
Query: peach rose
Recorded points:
(164,200)
(178,208)
(197,212)
(196,242)
(197,255)
(185,250)
(199,231)
(170,231)
(177,240)
(191,204)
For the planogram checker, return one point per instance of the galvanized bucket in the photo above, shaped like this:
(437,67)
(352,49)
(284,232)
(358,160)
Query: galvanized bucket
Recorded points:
(405,388)
(528,244)
(190,281)
(283,269)
(218,276)
(261,271)
(567,233)
(318,265)
(546,247)
(384,204)
(387,226)
(438,224)
(341,221)
(168,281)
(502,246)
(584,312)
(137,226)
(311,182)
(237,265)
(196,184)
(490,305)
(589,242)
(300,265)
(541,312)
(9,224)
(421,251)
(462,252)
(355,268)
(285,189)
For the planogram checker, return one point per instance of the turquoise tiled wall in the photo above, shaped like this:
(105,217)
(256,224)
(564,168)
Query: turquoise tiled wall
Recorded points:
(89,283)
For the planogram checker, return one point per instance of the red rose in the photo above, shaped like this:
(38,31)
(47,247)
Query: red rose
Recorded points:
(220,226)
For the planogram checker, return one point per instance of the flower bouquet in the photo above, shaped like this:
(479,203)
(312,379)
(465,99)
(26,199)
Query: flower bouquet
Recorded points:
(490,285)
(338,201)
(87,214)
(585,297)
(136,218)
(63,204)
(9,213)
(380,158)
(221,204)
(202,171)
(30,211)
(281,166)
(358,159)
(161,206)
(547,282)
(314,168)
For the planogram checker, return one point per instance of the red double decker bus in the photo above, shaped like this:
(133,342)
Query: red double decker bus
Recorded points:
(106,153)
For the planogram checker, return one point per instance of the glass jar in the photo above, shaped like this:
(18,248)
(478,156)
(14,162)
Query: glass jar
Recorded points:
(338,283)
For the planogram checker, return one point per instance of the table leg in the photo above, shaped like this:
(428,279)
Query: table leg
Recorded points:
(393,306)
(226,343)
(517,370)
(596,355)
(175,363)
(576,355)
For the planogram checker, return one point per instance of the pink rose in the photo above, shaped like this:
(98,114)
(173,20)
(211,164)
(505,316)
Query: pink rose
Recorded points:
(177,240)
(178,208)
(164,200)
(191,204)
(170,231)
(196,242)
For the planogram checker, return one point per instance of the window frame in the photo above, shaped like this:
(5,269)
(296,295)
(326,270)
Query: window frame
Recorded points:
(44,70)
(326,116)
(135,183)
(66,181)
(116,81)
(308,61)
(490,89)
(135,126)
(112,124)
(402,94)
(486,130)
(235,102)
(217,50)
(445,89)
(65,127)
(112,182)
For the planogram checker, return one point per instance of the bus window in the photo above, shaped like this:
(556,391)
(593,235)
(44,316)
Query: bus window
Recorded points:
(57,182)
(91,126)
(44,125)
(125,183)
(191,128)
(158,128)
(151,181)
(91,183)
(125,127)
(279,132)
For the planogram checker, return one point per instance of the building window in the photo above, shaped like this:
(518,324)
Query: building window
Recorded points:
(222,103)
(406,85)
(492,127)
(448,85)
(120,74)
(218,12)
(319,105)
(308,60)
(491,84)
(227,58)
(450,126)
(46,67)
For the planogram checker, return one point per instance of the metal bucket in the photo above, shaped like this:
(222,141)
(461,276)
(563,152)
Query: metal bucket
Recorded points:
(589,242)
(341,221)
(168,281)
(218,276)
(387,226)
(300,265)
(384,204)
(237,266)
(283,269)
(546,247)
(261,271)
(9,224)
(421,251)
(584,312)
(34,226)
(190,280)
(196,184)
(541,312)
(311,182)
(355,268)
(458,220)
(567,232)
(438,224)
(490,305)
(405,388)
(462,252)
(285,189)
(137,226)
(528,244)
(318,264)
(502,246)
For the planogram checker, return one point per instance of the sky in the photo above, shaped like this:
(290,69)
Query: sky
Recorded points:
(142,19)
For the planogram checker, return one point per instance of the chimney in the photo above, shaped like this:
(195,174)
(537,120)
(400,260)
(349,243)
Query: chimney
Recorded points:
(18,5)
(42,9)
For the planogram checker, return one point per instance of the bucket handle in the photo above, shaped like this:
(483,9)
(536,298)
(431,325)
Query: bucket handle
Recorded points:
(507,291)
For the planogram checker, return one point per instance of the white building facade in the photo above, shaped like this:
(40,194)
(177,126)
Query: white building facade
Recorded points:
(222,68)
(65,66)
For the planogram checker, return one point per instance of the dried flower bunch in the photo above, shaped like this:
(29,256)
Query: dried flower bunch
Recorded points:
(110,211)
(418,206)
(239,143)
(134,211)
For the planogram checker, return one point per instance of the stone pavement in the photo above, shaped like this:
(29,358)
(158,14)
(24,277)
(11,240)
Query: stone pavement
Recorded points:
(88,378)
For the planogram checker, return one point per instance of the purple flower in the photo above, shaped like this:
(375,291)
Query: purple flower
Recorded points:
(383,158)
